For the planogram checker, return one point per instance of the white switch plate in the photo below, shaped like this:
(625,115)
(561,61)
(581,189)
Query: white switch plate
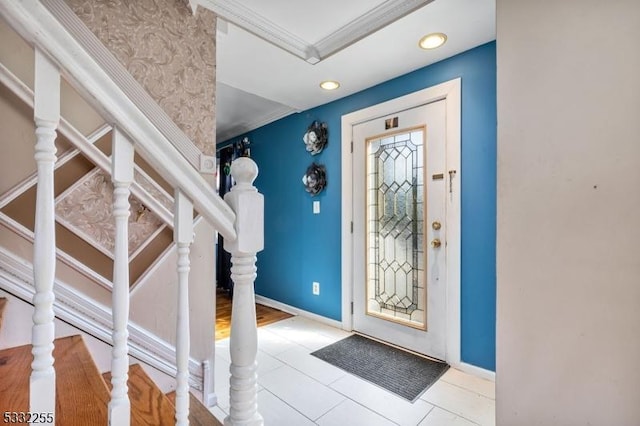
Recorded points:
(316,288)
(316,207)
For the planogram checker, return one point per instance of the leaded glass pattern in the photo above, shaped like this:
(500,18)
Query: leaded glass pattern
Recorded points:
(395,285)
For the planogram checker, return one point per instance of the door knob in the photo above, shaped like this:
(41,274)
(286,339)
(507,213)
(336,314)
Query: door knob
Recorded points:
(435,243)
(436,225)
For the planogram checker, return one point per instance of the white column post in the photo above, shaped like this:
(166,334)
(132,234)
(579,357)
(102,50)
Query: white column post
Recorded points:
(122,176)
(183,237)
(248,206)
(46,112)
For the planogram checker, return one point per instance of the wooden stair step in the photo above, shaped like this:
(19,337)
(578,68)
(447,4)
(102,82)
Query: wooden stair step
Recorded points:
(15,367)
(199,415)
(3,303)
(82,396)
(149,406)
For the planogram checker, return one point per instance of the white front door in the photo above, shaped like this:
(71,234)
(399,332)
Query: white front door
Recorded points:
(400,186)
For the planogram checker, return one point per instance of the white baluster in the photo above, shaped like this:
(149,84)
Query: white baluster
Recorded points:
(248,205)
(122,176)
(42,383)
(183,237)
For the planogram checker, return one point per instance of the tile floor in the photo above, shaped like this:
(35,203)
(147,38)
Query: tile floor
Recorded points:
(297,389)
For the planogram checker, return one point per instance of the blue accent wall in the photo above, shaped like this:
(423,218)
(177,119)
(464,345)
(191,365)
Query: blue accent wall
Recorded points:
(301,247)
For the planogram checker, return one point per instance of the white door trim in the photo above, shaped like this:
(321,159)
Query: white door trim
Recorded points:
(451,92)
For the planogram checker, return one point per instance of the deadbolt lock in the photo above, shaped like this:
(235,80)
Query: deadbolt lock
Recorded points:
(435,243)
(436,225)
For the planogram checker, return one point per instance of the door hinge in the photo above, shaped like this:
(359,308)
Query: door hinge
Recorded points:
(351,146)
(352,227)
(351,308)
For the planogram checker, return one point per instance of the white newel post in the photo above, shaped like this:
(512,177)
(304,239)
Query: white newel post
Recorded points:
(46,111)
(122,176)
(183,237)
(248,206)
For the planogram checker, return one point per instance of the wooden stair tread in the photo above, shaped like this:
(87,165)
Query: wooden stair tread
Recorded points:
(3,302)
(149,406)
(82,396)
(15,367)
(199,415)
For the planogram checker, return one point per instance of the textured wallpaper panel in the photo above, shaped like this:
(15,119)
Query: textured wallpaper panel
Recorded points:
(168,51)
(86,210)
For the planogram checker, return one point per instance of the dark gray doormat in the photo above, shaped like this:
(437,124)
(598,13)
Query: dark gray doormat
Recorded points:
(403,373)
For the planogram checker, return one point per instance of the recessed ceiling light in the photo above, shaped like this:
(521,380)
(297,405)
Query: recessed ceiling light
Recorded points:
(433,40)
(329,85)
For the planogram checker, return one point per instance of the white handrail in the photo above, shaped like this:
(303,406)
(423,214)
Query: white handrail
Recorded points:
(39,27)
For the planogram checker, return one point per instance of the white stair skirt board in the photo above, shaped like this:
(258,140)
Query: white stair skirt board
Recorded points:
(16,277)
(18,319)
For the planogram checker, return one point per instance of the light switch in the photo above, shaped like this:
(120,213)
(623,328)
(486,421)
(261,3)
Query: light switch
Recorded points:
(316,207)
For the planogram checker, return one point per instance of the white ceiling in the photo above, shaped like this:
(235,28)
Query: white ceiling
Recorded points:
(272,55)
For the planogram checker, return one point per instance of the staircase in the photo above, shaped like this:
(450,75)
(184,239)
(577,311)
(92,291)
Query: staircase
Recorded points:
(84,392)
(143,165)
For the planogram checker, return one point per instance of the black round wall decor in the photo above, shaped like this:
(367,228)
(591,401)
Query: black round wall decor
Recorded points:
(316,137)
(315,179)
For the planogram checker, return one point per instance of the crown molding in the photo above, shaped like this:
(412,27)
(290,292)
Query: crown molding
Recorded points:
(369,22)
(276,114)
(244,17)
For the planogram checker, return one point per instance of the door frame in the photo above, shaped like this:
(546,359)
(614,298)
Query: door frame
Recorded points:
(450,91)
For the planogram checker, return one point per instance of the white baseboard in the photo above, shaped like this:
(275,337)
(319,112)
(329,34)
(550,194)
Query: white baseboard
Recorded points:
(476,371)
(296,311)
(16,277)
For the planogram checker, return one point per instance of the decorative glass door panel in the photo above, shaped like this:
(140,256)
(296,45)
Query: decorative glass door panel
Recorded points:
(395,215)
(399,195)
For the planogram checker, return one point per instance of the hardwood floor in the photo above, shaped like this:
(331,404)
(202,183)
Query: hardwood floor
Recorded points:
(264,315)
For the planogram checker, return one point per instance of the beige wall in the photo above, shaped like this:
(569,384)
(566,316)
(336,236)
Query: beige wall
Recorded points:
(23,248)
(568,320)
(16,163)
(17,141)
(154,302)
(18,57)
(170,52)
(17,129)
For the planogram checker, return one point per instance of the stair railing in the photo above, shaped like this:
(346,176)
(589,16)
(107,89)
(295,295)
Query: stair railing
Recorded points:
(183,236)
(122,177)
(239,220)
(245,200)
(46,112)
